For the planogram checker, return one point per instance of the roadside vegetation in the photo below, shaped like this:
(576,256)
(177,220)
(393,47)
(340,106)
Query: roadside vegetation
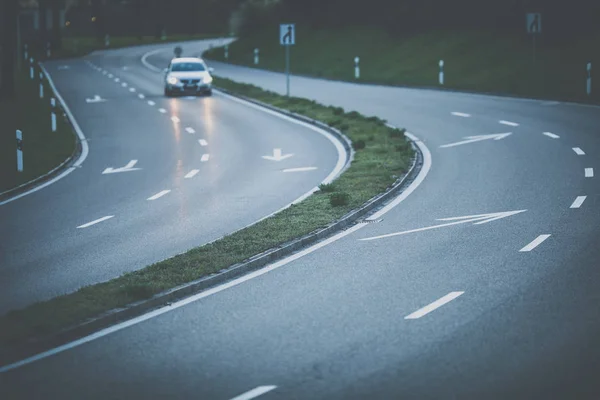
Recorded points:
(43,150)
(386,155)
(477,61)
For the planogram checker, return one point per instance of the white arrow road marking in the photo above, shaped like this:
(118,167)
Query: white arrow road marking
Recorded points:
(205,157)
(436,304)
(97,221)
(277,156)
(578,201)
(127,168)
(254,393)
(95,99)
(459,114)
(589,172)
(578,151)
(301,169)
(192,173)
(190,130)
(476,219)
(162,110)
(158,195)
(472,139)
(203,142)
(151,103)
(509,123)
(535,243)
(551,135)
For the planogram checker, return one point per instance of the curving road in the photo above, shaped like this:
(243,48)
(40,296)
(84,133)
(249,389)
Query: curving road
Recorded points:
(197,174)
(430,306)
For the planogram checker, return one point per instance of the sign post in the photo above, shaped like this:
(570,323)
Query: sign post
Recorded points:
(534,27)
(287,38)
(589,79)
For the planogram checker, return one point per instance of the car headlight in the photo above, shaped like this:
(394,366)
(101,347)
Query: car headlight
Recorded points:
(171,80)
(208,79)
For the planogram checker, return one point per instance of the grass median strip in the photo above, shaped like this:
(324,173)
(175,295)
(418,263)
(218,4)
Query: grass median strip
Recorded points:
(383,156)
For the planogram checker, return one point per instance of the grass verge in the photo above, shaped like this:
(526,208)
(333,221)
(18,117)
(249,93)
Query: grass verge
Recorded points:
(386,156)
(473,61)
(43,150)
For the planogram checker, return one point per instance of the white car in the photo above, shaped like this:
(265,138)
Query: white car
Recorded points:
(188,75)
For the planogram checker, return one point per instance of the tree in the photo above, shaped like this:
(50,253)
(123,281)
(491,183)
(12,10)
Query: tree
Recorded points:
(56,8)
(9,48)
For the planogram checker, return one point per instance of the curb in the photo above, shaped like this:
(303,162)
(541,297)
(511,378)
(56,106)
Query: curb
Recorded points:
(9,194)
(258,261)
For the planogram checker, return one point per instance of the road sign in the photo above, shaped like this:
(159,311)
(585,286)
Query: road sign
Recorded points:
(287,34)
(534,23)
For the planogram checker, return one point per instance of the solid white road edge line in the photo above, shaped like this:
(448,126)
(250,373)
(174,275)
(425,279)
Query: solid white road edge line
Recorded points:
(301,169)
(205,157)
(192,173)
(578,151)
(80,135)
(578,201)
(551,135)
(147,64)
(155,313)
(94,222)
(537,241)
(509,123)
(460,114)
(589,172)
(254,393)
(433,306)
(158,195)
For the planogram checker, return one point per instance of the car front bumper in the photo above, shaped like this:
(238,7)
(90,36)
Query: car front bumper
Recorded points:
(191,88)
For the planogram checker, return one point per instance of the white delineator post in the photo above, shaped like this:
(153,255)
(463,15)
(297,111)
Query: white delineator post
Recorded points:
(106,41)
(589,79)
(356,67)
(19,151)
(25,54)
(48,51)
(31,68)
(41,85)
(256,56)
(53,114)
(441,78)
(226,52)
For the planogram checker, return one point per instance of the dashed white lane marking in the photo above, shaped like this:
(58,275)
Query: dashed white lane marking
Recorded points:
(132,90)
(578,201)
(299,169)
(459,114)
(190,130)
(535,243)
(509,123)
(158,195)
(117,80)
(551,135)
(254,393)
(203,142)
(205,157)
(124,84)
(175,119)
(111,76)
(436,304)
(192,173)
(589,172)
(578,151)
(94,222)
(141,96)
(151,103)
(104,72)
(162,110)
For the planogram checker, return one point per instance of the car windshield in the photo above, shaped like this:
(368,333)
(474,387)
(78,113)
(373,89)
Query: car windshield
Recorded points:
(188,66)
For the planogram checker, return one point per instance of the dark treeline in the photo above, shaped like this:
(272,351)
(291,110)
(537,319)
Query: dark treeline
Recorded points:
(561,18)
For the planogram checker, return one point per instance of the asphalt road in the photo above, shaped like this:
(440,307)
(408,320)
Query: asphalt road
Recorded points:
(45,254)
(518,314)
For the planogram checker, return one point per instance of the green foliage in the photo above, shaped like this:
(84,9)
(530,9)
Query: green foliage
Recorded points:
(359,144)
(327,187)
(339,199)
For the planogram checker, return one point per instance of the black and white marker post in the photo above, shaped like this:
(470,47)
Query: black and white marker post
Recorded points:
(19,151)
(227,52)
(589,79)
(41,85)
(31,68)
(25,53)
(356,67)
(441,77)
(53,114)
(48,50)
(256,56)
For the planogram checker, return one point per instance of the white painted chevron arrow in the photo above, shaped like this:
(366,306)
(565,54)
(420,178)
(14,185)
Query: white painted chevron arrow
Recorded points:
(95,99)
(127,168)
(476,219)
(277,156)
(478,138)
